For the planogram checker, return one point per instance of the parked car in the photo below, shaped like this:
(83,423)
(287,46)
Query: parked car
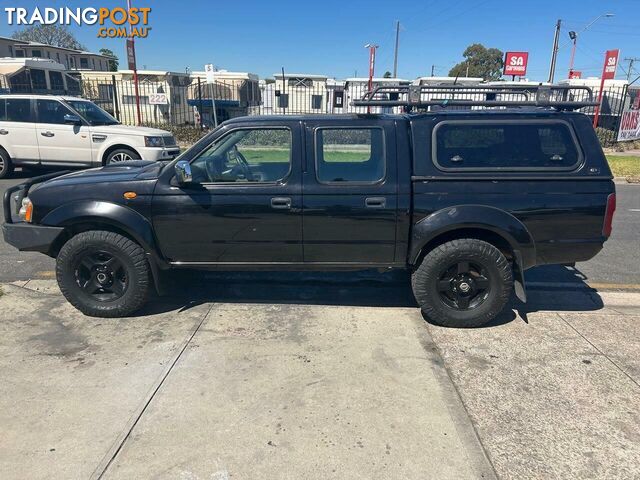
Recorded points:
(467,201)
(72,132)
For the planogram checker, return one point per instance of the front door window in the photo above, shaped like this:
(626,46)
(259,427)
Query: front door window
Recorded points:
(246,156)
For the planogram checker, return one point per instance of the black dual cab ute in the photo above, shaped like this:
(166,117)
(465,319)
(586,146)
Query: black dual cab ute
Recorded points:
(467,195)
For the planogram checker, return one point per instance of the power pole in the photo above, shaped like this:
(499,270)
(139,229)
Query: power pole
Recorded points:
(631,61)
(395,52)
(554,52)
(433,68)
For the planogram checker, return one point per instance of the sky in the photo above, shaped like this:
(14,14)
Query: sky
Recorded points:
(328,37)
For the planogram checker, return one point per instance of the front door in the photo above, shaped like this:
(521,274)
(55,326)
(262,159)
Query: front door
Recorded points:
(244,204)
(350,192)
(59,142)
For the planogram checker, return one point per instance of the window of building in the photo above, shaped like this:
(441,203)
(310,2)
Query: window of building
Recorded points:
(19,53)
(350,155)
(131,99)
(18,110)
(36,53)
(11,50)
(58,56)
(316,102)
(246,156)
(505,146)
(51,111)
(84,63)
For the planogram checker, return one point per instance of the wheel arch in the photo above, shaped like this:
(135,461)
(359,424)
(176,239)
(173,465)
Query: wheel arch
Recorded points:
(117,146)
(79,217)
(490,224)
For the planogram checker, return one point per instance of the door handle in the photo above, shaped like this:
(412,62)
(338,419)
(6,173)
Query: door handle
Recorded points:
(4,132)
(375,202)
(47,134)
(281,203)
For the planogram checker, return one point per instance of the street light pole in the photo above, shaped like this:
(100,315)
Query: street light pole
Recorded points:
(574,38)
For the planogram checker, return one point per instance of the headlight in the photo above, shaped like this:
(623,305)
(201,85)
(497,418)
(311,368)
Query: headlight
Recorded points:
(26,210)
(153,141)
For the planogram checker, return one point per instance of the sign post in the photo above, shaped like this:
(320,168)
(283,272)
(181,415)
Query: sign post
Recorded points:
(210,72)
(372,67)
(131,60)
(515,64)
(608,73)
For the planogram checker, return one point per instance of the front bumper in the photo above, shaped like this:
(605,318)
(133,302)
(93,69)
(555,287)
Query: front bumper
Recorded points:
(158,153)
(30,238)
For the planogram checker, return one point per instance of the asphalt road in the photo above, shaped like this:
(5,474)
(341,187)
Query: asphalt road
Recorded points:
(616,267)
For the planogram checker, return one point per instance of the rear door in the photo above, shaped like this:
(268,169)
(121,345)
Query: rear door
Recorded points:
(350,191)
(18,130)
(59,142)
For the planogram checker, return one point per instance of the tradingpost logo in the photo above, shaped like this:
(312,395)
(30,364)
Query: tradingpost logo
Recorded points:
(114,22)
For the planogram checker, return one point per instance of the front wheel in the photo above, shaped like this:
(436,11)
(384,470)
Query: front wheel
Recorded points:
(463,283)
(103,274)
(121,155)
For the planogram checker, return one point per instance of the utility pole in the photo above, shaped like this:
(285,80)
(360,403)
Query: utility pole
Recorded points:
(433,68)
(631,61)
(395,52)
(554,52)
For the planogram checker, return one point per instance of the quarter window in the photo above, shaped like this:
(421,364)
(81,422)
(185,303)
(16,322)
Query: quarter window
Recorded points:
(505,146)
(246,156)
(350,155)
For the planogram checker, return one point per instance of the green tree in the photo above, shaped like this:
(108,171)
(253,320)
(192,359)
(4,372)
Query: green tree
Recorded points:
(479,62)
(55,35)
(113,61)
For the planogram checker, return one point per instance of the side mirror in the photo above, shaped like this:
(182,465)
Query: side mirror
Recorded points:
(183,172)
(72,119)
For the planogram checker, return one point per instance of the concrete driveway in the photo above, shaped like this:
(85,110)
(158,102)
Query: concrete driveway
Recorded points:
(226,390)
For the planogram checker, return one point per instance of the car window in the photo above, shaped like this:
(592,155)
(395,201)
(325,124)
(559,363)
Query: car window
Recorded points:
(350,155)
(246,156)
(17,110)
(51,111)
(92,113)
(505,146)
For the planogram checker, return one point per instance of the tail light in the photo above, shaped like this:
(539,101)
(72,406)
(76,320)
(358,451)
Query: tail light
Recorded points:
(608,215)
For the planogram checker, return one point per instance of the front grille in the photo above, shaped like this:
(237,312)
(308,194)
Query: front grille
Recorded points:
(169,141)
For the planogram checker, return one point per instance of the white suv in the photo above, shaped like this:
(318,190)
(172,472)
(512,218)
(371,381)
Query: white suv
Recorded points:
(72,132)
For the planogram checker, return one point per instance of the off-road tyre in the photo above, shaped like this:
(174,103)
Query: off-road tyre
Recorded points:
(133,273)
(429,282)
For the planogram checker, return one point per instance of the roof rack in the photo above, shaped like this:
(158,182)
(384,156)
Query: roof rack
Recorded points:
(560,97)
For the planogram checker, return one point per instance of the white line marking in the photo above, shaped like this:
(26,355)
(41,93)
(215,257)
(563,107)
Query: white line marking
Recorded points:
(634,209)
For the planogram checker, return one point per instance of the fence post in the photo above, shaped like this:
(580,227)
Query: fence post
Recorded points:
(619,113)
(116,106)
(200,104)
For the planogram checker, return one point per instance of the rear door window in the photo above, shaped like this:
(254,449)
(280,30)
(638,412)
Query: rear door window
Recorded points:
(506,146)
(18,110)
(350,155)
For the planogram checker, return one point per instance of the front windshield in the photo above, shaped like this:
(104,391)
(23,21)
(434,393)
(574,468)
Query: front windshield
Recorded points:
(92,113)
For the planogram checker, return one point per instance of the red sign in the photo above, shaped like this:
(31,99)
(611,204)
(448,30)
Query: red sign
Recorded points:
(575,74)
(515,63)
(610,64)
(131,55)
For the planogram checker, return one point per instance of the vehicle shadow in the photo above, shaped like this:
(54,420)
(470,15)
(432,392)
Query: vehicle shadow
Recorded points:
(189,288)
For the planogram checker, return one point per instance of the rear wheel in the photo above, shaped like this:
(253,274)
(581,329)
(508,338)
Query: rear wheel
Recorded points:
(103,274)
(463,283)
(6,167)
(121,155)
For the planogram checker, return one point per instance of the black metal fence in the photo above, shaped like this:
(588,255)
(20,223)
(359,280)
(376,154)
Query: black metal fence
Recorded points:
(182,101)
